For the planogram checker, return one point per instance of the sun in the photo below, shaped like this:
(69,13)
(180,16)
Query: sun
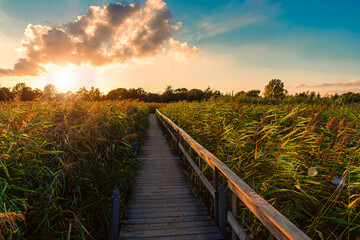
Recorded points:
(64,79)
(70,78)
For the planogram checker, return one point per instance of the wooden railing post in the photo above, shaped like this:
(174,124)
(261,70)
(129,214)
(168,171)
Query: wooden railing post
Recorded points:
(234,210)
(216,198)
(114,223)
(136,145)
(222,210)
(177,142)
(200,167)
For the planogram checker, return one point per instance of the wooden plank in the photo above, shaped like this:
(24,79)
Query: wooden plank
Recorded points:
(158,189)
(236,227)
(161,193)
(167,219)
(171,232)
(165,209)
(148,184)
(168,213)
(165,187)
(199,236)
(159,226)
(277,224)
(179,189)
(160,200)
(165,205)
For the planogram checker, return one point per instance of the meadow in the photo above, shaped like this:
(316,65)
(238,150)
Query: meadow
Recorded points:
(302,158)
(61,161)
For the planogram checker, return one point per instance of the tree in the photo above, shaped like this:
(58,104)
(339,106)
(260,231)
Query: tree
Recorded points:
(27,94)
(180,94)
(94,94)
(275,89)
(168,94)
(50,91)
(83,94)
(24,93)
(119,93)
(253,93)
(18,88)
(5,94)
(194,95)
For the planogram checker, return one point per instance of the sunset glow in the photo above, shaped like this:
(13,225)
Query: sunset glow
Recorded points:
(228,45)
(70,78)
(64,79)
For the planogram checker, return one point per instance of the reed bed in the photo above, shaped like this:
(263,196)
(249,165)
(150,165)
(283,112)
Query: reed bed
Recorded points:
(302,158)
(60,162)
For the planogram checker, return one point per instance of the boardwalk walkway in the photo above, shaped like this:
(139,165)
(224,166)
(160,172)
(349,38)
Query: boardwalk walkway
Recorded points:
(161,205)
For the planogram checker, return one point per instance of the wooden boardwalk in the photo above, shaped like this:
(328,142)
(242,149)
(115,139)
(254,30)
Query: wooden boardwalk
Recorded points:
(161,204)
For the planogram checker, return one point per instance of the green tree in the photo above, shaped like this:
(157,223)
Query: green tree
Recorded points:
(275,89)
(253,93)
(168,95)
(195,95)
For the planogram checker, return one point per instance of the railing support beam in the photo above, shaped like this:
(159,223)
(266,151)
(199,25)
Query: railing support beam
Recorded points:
(114,223)
(216,198)
(222,210)
(234,210)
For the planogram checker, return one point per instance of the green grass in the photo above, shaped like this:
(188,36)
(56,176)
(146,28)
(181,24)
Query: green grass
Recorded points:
(60,162)
(290,154)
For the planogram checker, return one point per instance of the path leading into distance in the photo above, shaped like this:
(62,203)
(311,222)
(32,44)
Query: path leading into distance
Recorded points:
(161,205)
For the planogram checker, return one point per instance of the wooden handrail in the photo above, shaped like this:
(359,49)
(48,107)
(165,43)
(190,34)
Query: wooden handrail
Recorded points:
(273,220)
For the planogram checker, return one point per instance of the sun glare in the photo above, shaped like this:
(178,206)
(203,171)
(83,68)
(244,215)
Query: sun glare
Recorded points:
(64,79)
(70,78)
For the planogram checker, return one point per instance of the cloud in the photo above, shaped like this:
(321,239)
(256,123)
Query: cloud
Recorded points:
(181,51)
(336,84)
(114,33)
(234,16)
(212,29)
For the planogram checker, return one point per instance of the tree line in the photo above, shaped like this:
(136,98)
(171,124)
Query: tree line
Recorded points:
(274,92)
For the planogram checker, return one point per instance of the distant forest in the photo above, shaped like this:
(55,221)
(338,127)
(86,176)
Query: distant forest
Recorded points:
(273,93)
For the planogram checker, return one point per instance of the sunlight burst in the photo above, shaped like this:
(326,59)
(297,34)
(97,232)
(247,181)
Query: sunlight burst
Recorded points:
(64,79)
(70,78)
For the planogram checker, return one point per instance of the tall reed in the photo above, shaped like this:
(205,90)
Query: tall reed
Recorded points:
(60,162)
(302,158)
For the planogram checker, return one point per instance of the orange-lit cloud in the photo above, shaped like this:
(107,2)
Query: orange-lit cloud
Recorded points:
(114,33)
(181,51)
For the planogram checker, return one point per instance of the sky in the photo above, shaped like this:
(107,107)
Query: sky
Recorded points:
(311,45)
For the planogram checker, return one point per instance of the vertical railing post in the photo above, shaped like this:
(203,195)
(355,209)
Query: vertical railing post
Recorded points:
(200,167)
(136,145)
(177,142)
(234,210)
(216,199)
(222,210)
(114,223)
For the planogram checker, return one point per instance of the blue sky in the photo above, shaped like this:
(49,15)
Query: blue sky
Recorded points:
(310,45)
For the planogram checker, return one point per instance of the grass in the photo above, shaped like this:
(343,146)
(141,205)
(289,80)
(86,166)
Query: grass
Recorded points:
(60,162)
(302,158)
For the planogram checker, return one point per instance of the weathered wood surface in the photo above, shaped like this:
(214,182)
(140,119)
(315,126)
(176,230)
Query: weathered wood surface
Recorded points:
(161,204)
